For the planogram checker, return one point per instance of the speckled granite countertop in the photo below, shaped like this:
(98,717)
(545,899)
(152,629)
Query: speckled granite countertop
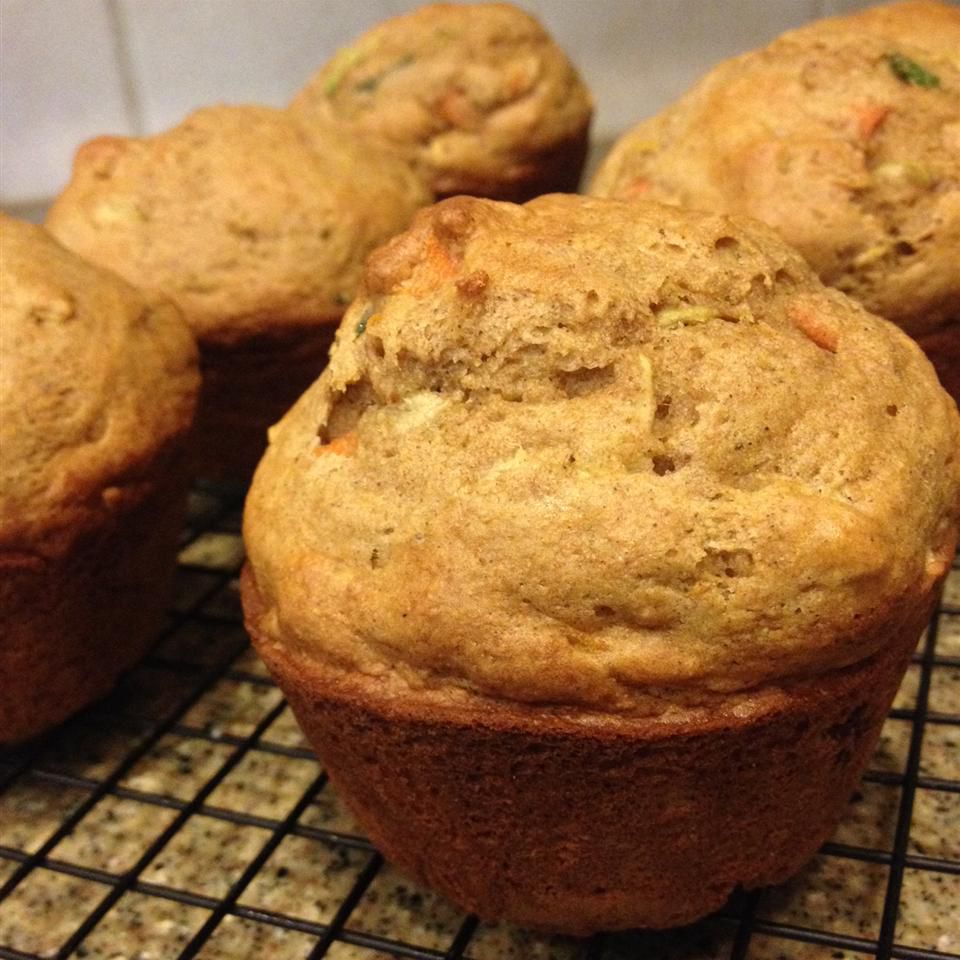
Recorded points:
(186,809)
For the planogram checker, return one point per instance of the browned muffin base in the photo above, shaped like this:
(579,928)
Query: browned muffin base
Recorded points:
(247,388)
(943,351)
(557,170)
(575,823)
(72,626)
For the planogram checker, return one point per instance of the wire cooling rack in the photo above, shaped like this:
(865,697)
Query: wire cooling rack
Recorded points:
(185,817)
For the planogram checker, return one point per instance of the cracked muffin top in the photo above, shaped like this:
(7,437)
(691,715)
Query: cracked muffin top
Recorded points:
(96,383)
(477,96)
(845,136)
(599,453)
(250,222)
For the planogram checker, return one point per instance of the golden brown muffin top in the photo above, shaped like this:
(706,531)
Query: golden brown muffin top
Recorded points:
(584,451)
(473,94)
(845,136)
(96,384)
(248,221)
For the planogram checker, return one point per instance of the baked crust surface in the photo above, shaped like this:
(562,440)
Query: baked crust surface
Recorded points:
(831,136)
(97,384)
(252,223)
(477,96)
(614,455)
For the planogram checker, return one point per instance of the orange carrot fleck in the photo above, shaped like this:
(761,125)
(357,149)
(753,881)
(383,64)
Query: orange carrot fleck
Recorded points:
(440,257)
(636,187)
(455,107)
(345,446)
(869,118)
(814,327)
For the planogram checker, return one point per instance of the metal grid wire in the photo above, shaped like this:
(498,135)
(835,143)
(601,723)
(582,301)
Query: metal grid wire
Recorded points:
(117,807)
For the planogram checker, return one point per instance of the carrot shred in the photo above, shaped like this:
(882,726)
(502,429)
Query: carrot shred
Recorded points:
(823,334)
(440,257)
(637,187)
(345,446)
(869,118)
(455,107)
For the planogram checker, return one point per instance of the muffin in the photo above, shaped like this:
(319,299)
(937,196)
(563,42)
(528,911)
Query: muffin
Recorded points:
(844,135)
(97,386)
(257,228)
(592,562)
(477,97)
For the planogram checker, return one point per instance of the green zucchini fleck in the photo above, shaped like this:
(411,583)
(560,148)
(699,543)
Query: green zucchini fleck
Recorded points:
(909,71)
(371,83)
(340,66)
(361,328)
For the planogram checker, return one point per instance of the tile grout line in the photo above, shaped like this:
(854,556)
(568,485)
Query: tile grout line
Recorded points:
(129,92)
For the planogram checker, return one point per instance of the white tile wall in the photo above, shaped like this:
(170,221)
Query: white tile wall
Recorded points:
(637,57)
(71,69)
(188,53)
(835,7)
(60,83)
